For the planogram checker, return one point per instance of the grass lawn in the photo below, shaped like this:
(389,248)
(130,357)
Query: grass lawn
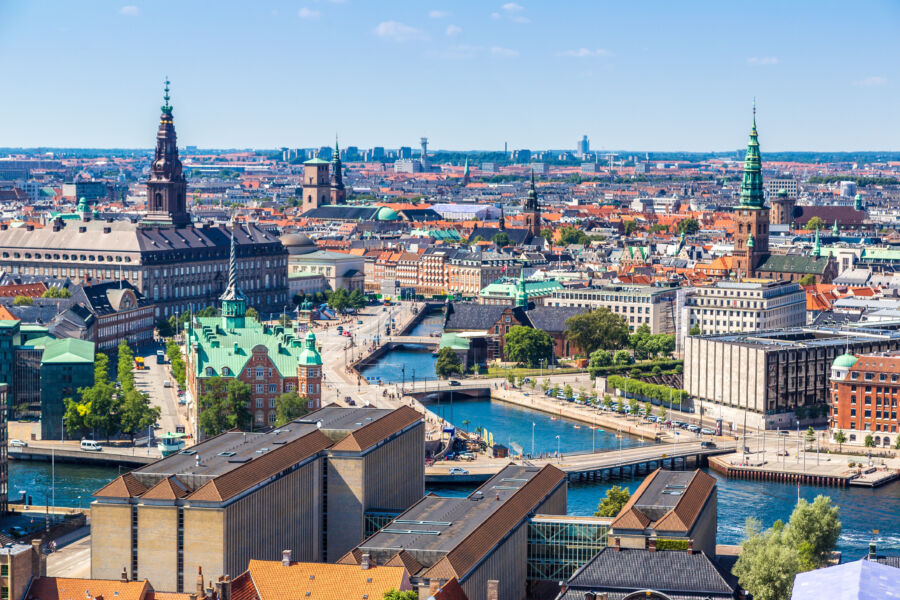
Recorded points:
(526,372)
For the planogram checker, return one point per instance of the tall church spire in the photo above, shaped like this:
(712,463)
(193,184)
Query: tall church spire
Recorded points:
(234,302)
(752,184)
(338,192)
(166,186)
(531,210)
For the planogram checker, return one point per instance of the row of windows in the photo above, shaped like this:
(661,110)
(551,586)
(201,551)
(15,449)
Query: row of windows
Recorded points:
(84,257)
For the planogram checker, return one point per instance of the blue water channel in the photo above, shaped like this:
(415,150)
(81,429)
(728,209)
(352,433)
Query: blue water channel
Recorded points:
(412,362)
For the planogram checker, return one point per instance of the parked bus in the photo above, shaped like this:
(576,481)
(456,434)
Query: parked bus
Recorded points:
(139,363)
(160,357)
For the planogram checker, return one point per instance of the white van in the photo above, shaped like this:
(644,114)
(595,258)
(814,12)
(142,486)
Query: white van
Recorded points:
(90,446)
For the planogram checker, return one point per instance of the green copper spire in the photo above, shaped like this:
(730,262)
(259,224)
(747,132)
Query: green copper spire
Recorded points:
(817,247)
(337,151)
(310,357)
(234,302)
(166,108)
(752,184)
(857,202)
(834,229)
(521,293)
(466,168)
(750,242)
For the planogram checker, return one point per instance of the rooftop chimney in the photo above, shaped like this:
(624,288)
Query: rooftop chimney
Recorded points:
(364,563)
(199,582)
(652,542)
(690,546)
(493,589)
(223,588)
(618,545)
(124,574)
(434,587)
(286,558)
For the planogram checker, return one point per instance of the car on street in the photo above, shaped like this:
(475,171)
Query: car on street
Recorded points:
(350,401)
(707,431)
(18,443)
(17,531)
(707,444)
(693,428)
(453,383)
(466,456)
(90,446)
(458,471)
(359,322)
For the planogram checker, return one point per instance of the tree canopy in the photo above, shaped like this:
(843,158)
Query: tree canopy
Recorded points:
(688,227)
(612,503)
(290,406)
(601,328)
(815,223)
(527,346)
(447,363)
(223,405)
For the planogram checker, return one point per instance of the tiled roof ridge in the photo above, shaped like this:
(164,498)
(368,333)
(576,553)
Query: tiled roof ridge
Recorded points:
(370,434)
(682,516)
(233,482)
(167,489)
(473,547)
(632,500)
(123,486)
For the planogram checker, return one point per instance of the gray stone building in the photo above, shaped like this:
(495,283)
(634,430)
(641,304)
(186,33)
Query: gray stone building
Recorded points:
(767,375)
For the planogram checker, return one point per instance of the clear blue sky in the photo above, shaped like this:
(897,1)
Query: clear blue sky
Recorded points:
(468,74)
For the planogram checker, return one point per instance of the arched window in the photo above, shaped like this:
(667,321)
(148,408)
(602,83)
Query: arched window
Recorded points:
(209,371)
(158,199)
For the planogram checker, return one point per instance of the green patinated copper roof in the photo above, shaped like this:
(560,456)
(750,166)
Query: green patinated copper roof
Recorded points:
(310,357)
(218,348)
(509,289)
(316,161)
(453,341)
(66,350)
(879,254)
(752,184)
(386,213)
(844,361)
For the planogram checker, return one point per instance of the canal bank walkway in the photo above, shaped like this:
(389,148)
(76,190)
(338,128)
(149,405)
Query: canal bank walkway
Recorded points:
(781,461)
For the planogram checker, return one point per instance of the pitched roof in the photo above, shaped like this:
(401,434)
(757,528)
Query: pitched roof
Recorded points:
(324,581)
(629,517)
(65,588)
(242,587)
(690,575)
(170,488)
(552,319)
(858,580)
(258,470)
(451,591)
(123,486)
(471,316)
(484,538)
(794,263)
(647,506)
(690,503)
(406,560)
(367,436)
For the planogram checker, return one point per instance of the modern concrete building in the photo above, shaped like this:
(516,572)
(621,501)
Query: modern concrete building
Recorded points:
(478,539)
(769,374)
(307,487)
(637,304)
(4,449)
(744,306)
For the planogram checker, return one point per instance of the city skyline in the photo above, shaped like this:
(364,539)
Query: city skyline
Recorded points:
(470,76)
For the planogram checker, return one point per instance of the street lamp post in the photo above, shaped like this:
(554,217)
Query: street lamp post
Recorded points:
(532,438)
(798,440)
(541,361)
(557,450)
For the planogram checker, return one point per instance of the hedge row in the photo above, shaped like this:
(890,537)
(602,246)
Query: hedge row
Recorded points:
(647,390)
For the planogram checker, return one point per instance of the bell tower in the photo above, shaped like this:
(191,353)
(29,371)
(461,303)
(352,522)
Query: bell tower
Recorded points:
(166,186)
(338,192)
(316,183)
(531,210)
(751,216)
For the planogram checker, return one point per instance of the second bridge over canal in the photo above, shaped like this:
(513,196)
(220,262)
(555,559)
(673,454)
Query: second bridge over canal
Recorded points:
(587,465)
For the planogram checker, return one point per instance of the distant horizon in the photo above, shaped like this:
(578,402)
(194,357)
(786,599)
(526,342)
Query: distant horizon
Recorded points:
(670,76)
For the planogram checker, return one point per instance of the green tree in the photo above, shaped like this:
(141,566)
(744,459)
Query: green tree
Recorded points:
(56,292)
(526,345)
(136,413)
(77,416)
(688,227)
(620,405)
(447,363)
(104,403)
(339,300)
(223,405)
(814,529)
(252,313)
(695,330)
(290,406)
(840,437)
(601,358)
(393,594)
(501,239)
(808,279)
(23,301)
(164,328)
(176,363)
(596,329)
(357,299)
(629,227)
(571,235)
(547,233)
(767,565)
(815,223)
(869,442)
(612,503)
(623,357)
(567,391)
(810,435)
(661,412)
(648,409)
(633,405)
(125,366)
(607,402)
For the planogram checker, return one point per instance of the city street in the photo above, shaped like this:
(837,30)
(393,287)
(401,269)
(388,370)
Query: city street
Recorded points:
(152,380)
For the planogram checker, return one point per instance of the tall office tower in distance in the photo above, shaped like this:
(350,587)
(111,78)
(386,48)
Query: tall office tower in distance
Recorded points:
(583,147)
